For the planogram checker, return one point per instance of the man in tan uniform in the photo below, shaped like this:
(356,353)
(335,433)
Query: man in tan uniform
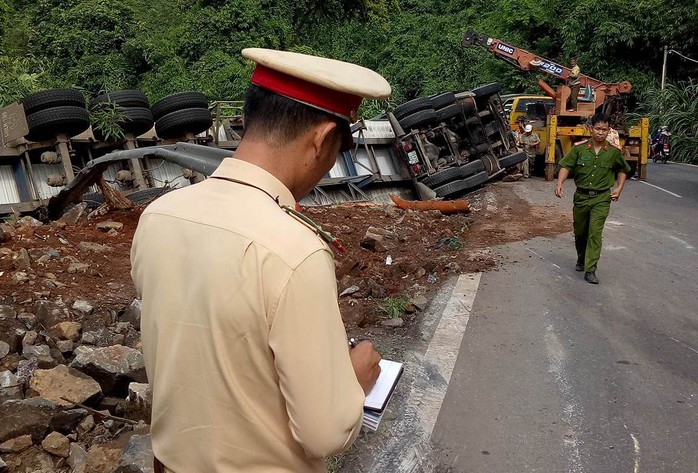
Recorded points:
(243,341)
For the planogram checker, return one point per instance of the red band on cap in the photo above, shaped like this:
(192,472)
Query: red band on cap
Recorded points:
(341,103)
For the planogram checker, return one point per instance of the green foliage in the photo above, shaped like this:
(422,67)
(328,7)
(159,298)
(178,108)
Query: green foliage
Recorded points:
(676,107)
(166,46)
(106,120)
(394,306)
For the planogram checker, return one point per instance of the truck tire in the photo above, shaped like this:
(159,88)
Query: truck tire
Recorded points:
(137,120)
(178,101)
(53,98)
(448,112)
(180,122)
(473,167)
(512,159)
(418,119)
(442,177)
(46,124)
(484,92)
(122,98)
(409,108)
(457,188)
(443,100)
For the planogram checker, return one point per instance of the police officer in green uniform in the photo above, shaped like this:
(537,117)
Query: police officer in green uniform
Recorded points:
(594,165)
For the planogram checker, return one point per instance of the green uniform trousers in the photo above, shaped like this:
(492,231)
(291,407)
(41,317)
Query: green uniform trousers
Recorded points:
(590,215)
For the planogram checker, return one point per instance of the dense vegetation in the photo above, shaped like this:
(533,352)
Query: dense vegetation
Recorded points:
(163,46)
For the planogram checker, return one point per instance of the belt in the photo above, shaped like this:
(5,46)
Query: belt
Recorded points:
(591,192)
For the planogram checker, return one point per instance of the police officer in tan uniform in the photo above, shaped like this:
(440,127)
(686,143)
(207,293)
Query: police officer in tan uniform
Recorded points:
(243,341)
(594,164)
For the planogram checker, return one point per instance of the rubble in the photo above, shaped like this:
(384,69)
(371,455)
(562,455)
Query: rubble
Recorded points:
(17,444)
(64,382)
(137,456)
(110,366)
(35,416)
(57,444)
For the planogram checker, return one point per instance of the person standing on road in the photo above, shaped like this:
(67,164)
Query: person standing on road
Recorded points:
(574,84)
(529,141)
(594,164)
(242,337)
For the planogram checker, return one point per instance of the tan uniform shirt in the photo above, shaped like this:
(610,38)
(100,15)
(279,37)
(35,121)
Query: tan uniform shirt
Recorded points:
(529,142)
(242,337)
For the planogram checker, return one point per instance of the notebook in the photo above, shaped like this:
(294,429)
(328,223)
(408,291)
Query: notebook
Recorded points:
(377,399)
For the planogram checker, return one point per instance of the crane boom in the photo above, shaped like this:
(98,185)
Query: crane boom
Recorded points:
(527,61)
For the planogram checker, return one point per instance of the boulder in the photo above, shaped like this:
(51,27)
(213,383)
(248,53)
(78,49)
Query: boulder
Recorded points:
(10,387)
(137,456)
(35,416)
(112,367)
(102,458)
(57,444)
(42,353)
(67,330)
(49,314)
(63,381)
(17,444)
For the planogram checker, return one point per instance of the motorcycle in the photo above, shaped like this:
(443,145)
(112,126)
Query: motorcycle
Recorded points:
(662,149)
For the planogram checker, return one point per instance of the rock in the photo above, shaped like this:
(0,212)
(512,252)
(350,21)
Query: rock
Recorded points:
(35,416)
(33,460)
(67,330)
(77,458)
(10,387)
(394,322)
(140,395)
(12,332)
(3,465)
(17,444)
(137,456)
(421,272)
(57,444)
(88,338)
(63,381)
(19,277)
(4,349)
(28,319)
(83,306)
(112,233)
(118,339)
(85,426)
(28,222)
(29,338)
(87,246)
(112,367)
(133,314)
(452,266)
(75,215)
(420,302)
(21,260)
(373,239)
(78,267)
(64,346)
(7,312)
(42,353)
(25,369)
(102,458)
(110,225)
(49,314)
(349,291)
(46,253)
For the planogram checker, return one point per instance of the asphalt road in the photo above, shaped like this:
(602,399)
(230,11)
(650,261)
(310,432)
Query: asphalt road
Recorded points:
(558,375)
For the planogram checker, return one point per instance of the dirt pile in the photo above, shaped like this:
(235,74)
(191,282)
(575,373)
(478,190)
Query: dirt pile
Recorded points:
(72,385)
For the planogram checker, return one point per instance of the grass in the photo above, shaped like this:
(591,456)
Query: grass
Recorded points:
(394,306)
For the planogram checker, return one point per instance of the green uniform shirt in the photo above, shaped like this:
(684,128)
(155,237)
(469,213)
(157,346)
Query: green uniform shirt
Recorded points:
(592,171)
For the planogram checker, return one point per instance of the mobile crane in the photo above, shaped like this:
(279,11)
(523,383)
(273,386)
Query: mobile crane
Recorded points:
(563,128)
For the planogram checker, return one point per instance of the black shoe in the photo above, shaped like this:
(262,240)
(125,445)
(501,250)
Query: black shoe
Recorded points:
(590,277)
(579,266)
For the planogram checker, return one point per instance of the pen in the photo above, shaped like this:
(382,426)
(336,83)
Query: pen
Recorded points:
(353,342)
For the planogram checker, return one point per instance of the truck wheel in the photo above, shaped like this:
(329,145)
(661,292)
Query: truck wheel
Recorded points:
(53,98)
(178,101)
(473,167)
(416,120)
(188,120)
(137,120)
(409,108)
(457,188)
(123,98)
(484,92)
(482,148)
(512,159)
(443,100)
(448,112)
(46,124)
(442,177)
(468,105)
